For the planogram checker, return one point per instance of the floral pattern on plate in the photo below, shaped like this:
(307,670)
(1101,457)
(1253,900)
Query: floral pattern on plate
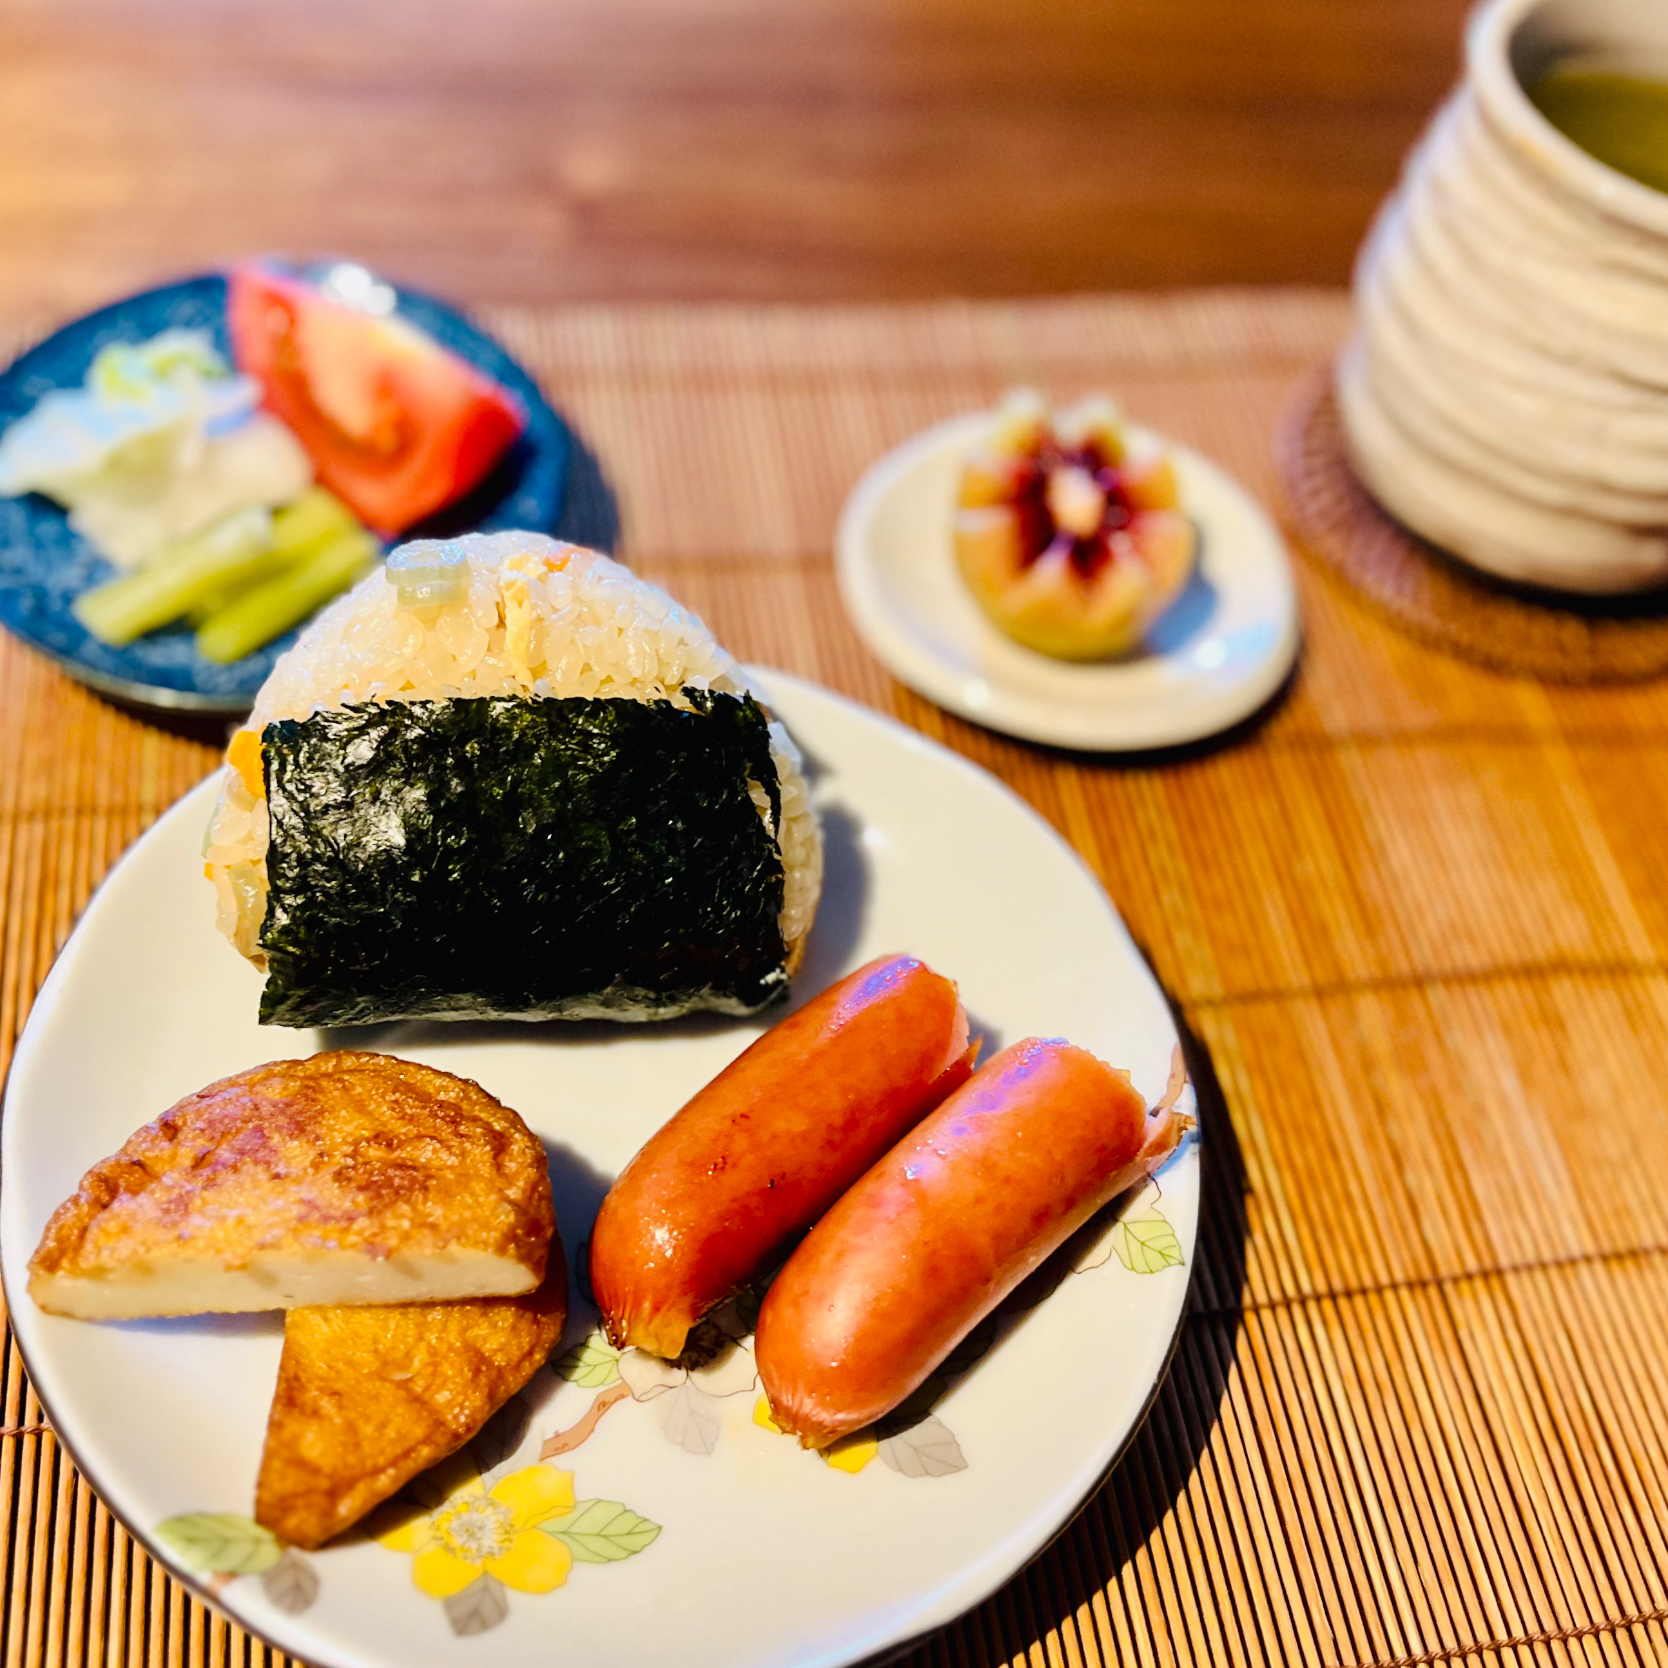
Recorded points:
(525,1532)
(470,1541)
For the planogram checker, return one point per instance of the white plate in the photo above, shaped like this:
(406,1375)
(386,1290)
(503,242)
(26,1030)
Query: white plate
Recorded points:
(1221,650)
(766,1555)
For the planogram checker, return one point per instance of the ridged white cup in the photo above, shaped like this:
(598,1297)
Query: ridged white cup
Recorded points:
(1506,392)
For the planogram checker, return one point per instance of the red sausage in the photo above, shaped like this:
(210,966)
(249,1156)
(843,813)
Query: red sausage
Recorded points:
(761,1152)
(944,1227)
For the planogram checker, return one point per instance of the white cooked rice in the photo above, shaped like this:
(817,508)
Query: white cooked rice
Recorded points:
(540,618)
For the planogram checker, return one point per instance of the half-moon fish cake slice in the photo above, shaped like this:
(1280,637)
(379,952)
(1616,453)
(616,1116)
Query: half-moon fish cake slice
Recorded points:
(344,1178)
(368,1397)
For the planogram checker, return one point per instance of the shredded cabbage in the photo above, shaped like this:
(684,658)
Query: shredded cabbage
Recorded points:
(161,441)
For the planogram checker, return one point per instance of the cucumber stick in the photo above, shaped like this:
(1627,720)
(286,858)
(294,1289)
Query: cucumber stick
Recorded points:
(298,530)
(176,579)
(266,610)
(263,567)
(315,516)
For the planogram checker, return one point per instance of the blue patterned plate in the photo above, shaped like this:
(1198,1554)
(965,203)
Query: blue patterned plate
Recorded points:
(44,566)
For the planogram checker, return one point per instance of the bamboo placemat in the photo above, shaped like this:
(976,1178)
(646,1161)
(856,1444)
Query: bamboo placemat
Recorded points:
(1420,1408)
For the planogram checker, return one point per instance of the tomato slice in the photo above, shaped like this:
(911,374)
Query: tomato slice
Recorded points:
(397,425)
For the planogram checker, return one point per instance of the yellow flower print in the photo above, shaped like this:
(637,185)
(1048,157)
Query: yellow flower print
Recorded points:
(477,1531)
(850,1453)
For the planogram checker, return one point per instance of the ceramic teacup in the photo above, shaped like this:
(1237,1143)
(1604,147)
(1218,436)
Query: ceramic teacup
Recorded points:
(1506,393)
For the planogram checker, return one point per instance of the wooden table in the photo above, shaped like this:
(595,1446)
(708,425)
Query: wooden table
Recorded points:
(605,149)
(1414,921)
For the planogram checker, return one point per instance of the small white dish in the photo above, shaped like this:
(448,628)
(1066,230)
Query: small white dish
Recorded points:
(700,1539)
(1218,653)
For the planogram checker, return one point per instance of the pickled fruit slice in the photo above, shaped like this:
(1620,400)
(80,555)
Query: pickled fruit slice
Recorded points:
(1072,543)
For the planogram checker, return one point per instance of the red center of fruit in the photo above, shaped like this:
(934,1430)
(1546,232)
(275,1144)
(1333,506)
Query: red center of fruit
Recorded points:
(1054,497)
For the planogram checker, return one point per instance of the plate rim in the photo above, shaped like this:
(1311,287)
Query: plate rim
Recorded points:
(161,697)
(1002,1563)
(1020,714)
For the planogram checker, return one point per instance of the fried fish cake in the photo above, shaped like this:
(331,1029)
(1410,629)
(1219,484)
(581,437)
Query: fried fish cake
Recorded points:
(367,1397)
(341,1179)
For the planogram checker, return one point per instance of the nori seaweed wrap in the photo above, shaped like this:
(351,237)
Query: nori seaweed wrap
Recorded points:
(569,806)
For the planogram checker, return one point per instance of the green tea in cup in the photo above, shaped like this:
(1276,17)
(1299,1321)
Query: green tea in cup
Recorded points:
(1620,119)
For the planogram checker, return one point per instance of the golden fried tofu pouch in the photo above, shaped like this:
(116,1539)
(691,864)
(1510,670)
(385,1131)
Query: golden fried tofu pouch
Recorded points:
(344,1178)
(369,1396)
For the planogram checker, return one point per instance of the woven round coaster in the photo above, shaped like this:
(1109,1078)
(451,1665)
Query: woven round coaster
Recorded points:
(1433,597)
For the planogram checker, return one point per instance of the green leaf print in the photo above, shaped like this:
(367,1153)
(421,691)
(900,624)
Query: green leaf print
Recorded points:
(1147,1244)
(602,1531)
(591,1364)
(220,1543)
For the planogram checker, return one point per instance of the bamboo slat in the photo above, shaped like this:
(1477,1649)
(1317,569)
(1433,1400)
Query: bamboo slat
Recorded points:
(1412,920)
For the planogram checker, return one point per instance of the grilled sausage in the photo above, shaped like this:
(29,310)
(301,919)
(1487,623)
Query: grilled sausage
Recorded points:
(945,1226)
(758,1155)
